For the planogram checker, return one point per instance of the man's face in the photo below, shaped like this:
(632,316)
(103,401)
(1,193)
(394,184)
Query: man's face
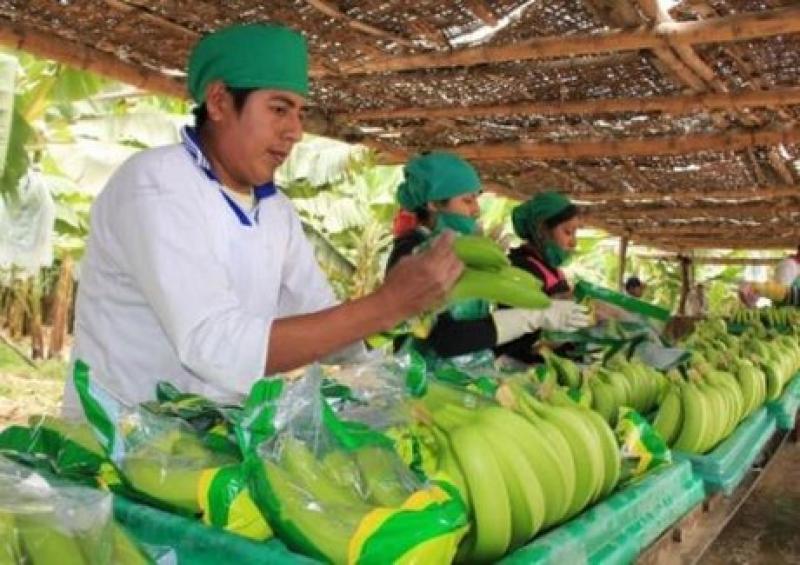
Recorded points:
(258,138)
(637,291)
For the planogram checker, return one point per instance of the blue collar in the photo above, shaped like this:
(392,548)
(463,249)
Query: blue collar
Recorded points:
(191,142)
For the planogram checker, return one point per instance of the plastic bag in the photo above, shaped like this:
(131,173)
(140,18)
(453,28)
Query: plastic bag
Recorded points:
(70,525)
(162,461)
(26,226)
(642,449)
(335,489)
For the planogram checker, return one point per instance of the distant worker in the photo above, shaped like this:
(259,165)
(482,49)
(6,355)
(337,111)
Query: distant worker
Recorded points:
(635,287)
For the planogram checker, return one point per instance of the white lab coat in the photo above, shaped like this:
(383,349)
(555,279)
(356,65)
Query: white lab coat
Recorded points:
(174,287)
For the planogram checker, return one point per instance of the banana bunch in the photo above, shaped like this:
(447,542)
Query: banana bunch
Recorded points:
(325,500)
(772,317)
(36,533)
(523,466)
(624,383)
(488,275)
(169,468)
(698,413)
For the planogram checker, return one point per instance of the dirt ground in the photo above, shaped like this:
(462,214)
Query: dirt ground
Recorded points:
(766,530)
(21,396)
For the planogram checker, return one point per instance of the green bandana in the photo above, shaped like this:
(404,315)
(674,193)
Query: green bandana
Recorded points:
(555,255)
(250,56)
(456,222)
(434,177)
(528,217)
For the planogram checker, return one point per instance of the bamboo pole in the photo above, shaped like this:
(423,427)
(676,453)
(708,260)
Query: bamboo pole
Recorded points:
(677,105)
(736,27)
(80,56)
(598,148)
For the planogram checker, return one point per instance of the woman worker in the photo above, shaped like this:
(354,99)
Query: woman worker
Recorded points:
(547,224)
(441,191)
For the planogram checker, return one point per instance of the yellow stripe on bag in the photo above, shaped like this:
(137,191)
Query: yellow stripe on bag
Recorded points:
(418,500)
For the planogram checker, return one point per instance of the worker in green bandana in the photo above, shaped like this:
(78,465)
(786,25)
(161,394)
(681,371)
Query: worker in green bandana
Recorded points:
(198,270)
(547,225)
(441,191)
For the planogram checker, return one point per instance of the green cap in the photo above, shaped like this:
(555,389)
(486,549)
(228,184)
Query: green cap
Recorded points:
(436,176)
(528,216)
(250,56)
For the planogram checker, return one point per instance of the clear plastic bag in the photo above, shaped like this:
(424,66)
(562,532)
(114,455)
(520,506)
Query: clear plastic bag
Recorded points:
(70,525)
(163,461)
(335,489)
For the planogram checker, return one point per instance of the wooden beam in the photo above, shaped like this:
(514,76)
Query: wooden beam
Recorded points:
(737,27)
(718,261)
(709,212)
(676,105)
(49,46)
(337,14)
(597,148)
(666,231)
(712,243)
(688,197)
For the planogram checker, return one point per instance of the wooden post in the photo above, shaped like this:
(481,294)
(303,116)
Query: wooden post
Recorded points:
(686,274)
(623,252)
(35,316)
(60,308)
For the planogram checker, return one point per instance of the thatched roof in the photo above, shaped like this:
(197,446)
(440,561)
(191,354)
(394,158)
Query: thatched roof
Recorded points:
(679,128)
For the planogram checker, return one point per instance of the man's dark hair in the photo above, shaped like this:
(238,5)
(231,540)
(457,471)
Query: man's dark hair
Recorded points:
(632,282)
(240,96)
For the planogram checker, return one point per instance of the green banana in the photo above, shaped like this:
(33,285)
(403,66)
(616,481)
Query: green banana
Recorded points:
(695,429)
(479,252)
(582,442)
(525,494)
(555,474)
(612,462)
(299,462)
(485,482)
(171,481)
(669,416)
(388,483)
(294,513)
(45,543)
(491,286)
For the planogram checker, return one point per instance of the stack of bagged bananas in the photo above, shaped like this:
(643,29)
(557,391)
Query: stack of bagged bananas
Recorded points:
(522,466)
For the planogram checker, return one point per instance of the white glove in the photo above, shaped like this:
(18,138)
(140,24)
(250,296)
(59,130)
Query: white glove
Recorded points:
(563,315)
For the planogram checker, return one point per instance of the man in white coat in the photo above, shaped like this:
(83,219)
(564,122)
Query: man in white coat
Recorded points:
(197,270)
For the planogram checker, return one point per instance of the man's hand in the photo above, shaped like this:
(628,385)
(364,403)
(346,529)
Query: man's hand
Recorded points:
(421,281)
